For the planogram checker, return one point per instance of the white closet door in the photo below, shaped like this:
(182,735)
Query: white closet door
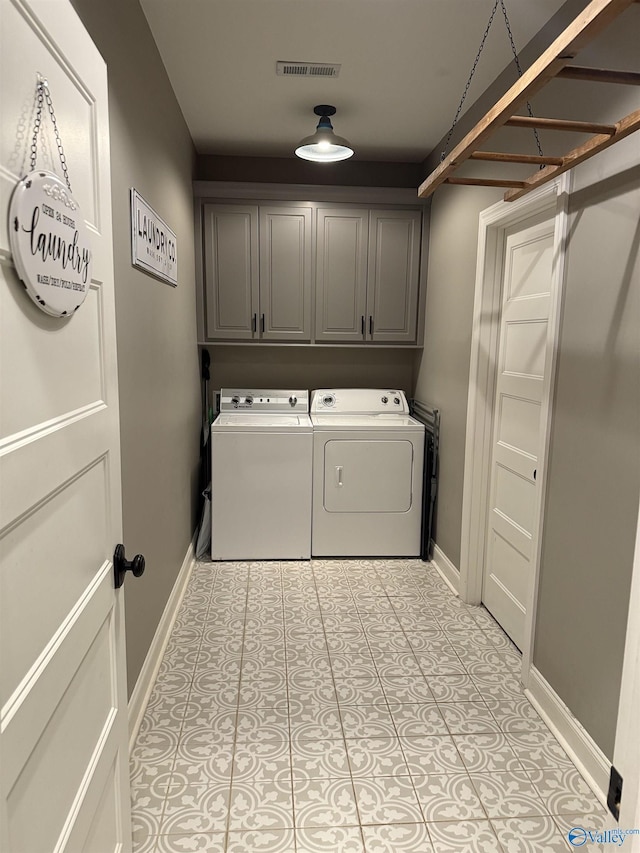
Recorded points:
(528,262)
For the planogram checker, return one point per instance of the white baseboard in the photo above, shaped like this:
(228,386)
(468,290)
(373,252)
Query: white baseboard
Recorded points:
(448,572)
(577,742)
(146,679)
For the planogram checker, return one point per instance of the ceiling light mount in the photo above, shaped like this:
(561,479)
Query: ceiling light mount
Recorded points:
(324,110)
(324,146)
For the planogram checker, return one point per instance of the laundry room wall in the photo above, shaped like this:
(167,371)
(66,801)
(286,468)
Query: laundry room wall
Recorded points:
(594,476)
(442,368)
(152,151)
(311,367)
(291,170)
(594,467)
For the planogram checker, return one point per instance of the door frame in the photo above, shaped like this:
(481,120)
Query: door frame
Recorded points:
(626,753)
(494,222)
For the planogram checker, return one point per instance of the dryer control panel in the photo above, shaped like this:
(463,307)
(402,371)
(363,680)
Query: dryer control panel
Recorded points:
(359,401)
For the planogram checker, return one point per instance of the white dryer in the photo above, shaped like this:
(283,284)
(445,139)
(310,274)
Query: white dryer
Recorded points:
(261,461)
(367,474)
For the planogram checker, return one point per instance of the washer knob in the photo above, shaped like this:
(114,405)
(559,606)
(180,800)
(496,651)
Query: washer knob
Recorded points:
(293,401)
(385,399)
(235,401)
(328,400)
(249,400)
(396,400)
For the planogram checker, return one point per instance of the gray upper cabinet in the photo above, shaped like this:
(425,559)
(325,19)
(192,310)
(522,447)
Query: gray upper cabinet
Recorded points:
(231,271)
(285,274)
(310,272)
(257,273)
(341,274)
(367,275)
(393,275)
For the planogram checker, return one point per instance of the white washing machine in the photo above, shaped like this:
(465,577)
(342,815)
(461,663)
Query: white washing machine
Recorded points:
(367,474)
(261,460)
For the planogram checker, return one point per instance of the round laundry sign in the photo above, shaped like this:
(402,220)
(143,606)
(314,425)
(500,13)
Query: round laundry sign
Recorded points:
(50,243)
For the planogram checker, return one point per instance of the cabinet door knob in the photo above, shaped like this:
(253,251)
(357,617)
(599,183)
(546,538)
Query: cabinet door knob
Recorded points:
(254,324)
(370,324)
(362,326)
(262,324)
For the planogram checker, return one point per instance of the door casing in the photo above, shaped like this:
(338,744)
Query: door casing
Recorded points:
(626,752)
(552,200)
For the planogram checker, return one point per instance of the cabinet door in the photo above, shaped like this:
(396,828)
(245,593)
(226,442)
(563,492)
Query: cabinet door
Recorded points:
(394,260)
(231,271)
(285,274)
(341,274)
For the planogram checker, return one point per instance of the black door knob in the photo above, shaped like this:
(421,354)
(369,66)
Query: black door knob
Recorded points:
(121,565)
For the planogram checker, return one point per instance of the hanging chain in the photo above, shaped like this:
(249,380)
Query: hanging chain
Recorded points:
(466,88)
(473,71)
(36,125)
(517,62)
(42,93)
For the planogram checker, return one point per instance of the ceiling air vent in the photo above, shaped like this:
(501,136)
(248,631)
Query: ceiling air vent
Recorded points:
(307,69)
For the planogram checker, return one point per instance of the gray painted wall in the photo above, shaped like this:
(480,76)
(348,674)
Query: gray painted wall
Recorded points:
(152,151)
(442,370)
(594,475)
(311,367)
(292,170)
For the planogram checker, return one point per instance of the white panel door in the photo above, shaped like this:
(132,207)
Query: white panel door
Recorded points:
(63,704)
(526,287)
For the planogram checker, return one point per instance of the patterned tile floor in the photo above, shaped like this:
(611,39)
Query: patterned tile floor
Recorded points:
(350,706)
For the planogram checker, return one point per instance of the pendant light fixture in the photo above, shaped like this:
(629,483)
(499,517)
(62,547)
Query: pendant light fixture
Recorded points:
(324,146)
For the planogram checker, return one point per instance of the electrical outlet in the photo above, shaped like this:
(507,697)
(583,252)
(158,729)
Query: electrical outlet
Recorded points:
(614,795)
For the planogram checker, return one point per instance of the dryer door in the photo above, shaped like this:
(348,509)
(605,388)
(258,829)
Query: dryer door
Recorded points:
(368,475)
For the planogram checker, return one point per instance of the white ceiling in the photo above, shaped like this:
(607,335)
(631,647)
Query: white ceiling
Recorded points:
(404,67)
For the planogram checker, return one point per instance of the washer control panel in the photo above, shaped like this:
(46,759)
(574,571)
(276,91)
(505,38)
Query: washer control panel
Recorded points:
(242,402)
(365,401)
(264,400)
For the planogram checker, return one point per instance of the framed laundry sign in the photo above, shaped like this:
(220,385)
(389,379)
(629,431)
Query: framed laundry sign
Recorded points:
(154,246)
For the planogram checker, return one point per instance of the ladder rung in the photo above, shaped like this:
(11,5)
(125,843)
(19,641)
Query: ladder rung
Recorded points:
(501,157)
(599,75)
(485,182)
(560,124)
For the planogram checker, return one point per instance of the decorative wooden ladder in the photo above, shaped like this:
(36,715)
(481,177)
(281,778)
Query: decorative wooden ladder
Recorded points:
(554,62)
